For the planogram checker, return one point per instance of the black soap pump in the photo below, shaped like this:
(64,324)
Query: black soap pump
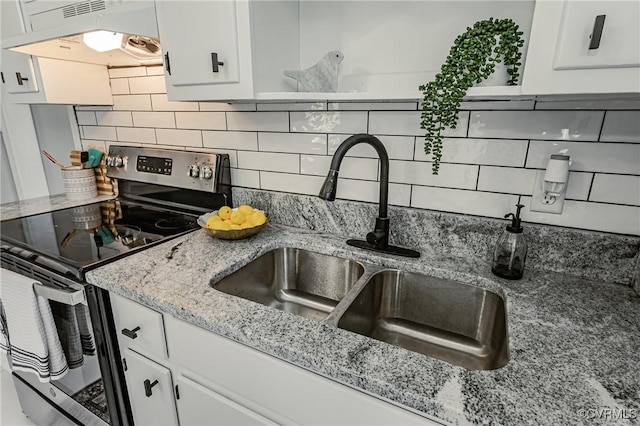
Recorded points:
(511,249)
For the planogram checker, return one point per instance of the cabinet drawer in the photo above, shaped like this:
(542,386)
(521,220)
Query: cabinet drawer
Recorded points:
(139,327)
(274,388)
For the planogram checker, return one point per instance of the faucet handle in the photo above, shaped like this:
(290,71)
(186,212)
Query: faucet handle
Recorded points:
(376,237)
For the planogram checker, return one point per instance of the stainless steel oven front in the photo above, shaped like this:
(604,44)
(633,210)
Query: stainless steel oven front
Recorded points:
(90,394)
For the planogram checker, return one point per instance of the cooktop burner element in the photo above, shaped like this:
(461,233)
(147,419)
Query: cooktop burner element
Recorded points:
(174,223)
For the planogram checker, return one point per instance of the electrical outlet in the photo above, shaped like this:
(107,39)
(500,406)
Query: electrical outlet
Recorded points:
(540,203)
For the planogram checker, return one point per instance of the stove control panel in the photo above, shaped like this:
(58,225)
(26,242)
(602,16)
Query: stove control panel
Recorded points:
(201,171)
(157,165)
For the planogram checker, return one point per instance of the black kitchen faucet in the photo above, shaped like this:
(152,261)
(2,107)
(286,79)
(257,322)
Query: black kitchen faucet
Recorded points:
(378,239)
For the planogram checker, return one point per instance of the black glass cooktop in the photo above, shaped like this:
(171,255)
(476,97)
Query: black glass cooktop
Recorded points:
(85,237)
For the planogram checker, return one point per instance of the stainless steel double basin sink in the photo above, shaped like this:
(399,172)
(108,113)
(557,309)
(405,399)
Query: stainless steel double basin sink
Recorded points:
(455,322)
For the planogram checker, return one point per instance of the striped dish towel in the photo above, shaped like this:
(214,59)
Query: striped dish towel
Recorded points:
(31,336)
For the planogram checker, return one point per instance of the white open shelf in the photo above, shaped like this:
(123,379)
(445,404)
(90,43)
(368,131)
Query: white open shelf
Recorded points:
(488,92)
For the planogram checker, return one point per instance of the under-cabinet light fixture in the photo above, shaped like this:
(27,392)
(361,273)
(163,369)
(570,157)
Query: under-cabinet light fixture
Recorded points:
(102,41)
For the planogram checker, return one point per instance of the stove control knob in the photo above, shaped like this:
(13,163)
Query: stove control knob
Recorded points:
(119,161)
(206,172)
(194,171)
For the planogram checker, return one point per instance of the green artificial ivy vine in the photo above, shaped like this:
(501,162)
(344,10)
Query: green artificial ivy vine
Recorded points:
(472,58)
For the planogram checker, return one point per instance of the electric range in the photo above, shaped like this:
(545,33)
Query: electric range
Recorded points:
(161,194)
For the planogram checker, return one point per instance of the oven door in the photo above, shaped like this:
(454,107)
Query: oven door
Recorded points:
(90,394)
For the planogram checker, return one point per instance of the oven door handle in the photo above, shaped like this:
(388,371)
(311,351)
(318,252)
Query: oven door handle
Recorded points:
(73,296)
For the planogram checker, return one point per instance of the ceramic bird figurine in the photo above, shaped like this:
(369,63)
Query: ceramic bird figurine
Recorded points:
(321,77)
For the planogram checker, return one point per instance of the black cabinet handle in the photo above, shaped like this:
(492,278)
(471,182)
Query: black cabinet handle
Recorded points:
(167,64)
(131,334)
(215,63)
(2,75)
(596,34)
(147,387)
(21,79)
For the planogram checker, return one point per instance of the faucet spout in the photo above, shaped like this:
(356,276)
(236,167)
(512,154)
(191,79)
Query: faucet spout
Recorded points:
(377,240)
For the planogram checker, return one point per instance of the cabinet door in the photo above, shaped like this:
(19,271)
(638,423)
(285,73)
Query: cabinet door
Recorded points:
(198,405)
(207,49)
(150,390)
(18,75)
(564,55)
(599,34)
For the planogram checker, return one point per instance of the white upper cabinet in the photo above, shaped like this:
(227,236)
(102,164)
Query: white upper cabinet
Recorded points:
(584,46)
(207,49)
(390,48)
(30,80)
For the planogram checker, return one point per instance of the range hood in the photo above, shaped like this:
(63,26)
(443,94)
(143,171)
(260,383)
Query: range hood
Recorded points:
(55,29)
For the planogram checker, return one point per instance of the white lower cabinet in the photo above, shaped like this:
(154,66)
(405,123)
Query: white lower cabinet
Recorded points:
(198,405)
(207,379)
(150,390)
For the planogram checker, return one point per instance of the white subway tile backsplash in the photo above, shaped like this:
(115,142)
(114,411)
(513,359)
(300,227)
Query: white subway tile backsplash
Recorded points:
(164,120)
(419,173)
(172,147)
(460,201)
(298,184)
(153,84)
(362,190)
(120,86)
(106,133)
(329,122)
(258,121)
(132,102)
(245,141)
(114,118)
(586,215)
(127,72)
(398,147)
(489,161)
(588,156)
(372,106)
(221,106)
(302,143)
(86,118)
(491,152)
(408,123)
(133,134)
(353,168)
(192,138)
(616,189)
(621,126)
(578,185)
(245,178)
(507,180)
(298,106)
(201,120)
(155,70)
(548,125)
(287,163)
(160,102)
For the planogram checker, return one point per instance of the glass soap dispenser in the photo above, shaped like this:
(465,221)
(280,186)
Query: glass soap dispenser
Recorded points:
(511,249)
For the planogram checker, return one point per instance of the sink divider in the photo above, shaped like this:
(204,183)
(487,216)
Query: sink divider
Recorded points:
(369,271)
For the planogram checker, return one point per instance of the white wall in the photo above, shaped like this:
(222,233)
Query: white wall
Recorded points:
(489,163)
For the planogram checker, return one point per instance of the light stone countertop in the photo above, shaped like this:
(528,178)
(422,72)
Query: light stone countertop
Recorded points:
(574,343)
